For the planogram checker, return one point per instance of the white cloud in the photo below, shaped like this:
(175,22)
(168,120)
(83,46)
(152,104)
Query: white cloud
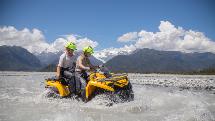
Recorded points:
(174,38)
(168,38)
(131,36)
(80,41)
(166,26)
(83,42)
(35,42)
(57,45)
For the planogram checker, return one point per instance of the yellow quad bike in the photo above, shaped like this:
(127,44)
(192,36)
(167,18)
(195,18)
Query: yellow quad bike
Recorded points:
(99,82)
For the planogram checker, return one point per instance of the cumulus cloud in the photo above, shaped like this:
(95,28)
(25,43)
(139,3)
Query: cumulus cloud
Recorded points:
(173,38)
(35,42)
(168,38)
(80,41)
(32,40)
(57,45)
(131,36)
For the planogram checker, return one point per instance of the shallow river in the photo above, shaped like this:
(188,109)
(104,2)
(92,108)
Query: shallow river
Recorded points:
(157,98)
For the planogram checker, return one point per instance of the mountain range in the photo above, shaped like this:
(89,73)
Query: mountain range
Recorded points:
(14,58)
(142,61)
(149,61)
(18,59)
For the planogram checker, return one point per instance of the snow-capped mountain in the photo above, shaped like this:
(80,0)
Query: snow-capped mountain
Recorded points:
(104,55)
(49,53)
(53,52)
(107,54)
(47,58)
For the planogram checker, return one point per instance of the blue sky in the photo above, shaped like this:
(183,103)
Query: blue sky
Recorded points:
(106,20)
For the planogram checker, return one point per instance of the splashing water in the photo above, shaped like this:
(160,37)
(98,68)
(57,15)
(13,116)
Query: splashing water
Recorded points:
(157,98)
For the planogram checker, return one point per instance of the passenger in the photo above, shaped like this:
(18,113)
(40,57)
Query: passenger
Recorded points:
(83,64)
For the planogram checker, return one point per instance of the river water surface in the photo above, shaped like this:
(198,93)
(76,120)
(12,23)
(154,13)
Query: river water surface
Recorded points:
(157,98)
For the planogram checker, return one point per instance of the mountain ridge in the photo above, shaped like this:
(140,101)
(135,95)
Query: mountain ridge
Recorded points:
(141,61)
(15,58)
(149,61)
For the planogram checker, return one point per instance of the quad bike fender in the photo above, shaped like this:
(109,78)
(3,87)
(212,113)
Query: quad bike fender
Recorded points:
(62,89)
(92,85)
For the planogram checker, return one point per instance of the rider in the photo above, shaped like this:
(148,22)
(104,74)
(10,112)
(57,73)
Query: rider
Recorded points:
(83,64)
(65,67)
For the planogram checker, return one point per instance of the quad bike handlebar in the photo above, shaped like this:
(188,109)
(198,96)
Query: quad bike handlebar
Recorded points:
(96,69)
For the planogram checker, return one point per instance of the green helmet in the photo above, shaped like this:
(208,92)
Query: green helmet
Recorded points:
(71,45)
(88,49)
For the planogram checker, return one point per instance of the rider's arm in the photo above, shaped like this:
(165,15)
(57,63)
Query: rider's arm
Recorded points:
(79,62)
(91,65)
(58,72)
(60,64)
